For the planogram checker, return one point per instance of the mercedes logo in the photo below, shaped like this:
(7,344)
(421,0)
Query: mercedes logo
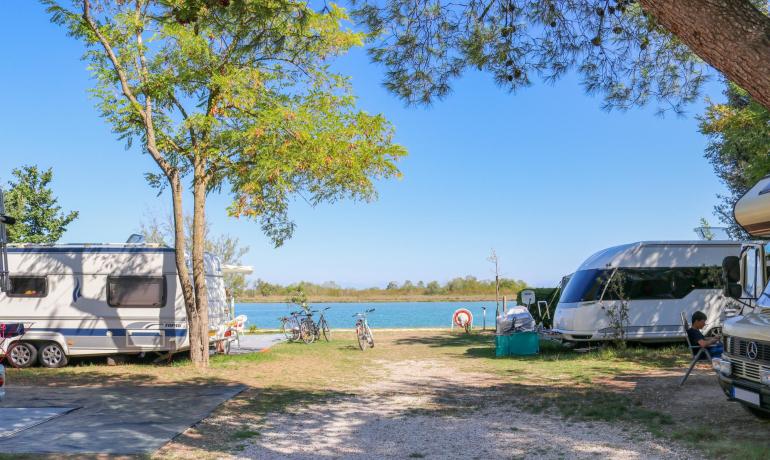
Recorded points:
(752,351)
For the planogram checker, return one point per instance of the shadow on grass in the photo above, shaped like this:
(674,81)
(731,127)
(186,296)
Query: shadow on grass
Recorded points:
(482,345)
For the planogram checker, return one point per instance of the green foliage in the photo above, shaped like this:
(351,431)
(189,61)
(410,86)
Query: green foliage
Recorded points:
(227,248)
(618,50)
(238,93)
(31,201)
(300,292)
(738,133)
(616,308)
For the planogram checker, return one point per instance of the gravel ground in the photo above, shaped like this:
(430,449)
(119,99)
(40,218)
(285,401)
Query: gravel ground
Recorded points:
(427,409)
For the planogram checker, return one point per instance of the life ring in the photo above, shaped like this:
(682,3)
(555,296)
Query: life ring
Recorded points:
(462,317)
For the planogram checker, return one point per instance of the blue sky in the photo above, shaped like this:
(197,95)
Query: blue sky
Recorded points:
(544,176)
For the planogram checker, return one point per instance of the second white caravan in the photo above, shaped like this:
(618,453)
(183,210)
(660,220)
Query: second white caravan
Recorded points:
(661,279)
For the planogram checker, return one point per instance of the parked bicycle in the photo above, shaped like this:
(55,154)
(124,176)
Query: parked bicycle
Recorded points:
(308,331)
(363,332)
(322,327)
(290,326)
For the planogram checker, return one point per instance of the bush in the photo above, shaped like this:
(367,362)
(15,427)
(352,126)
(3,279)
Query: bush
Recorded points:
(253,329)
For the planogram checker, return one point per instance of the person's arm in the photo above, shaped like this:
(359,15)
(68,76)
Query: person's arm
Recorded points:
(707,342)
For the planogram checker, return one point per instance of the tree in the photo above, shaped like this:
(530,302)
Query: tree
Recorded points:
(738,133)
(31,201)
(232,96)
(493,259)
(627,51)
(227,248)
(392,285)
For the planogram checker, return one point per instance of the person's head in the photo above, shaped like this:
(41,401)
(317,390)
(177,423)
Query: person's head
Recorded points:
(698,320)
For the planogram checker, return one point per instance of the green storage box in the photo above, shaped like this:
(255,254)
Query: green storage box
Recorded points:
(517,344)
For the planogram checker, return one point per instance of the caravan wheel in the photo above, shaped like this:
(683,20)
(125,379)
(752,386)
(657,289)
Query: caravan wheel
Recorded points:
(51,355)
(21,354)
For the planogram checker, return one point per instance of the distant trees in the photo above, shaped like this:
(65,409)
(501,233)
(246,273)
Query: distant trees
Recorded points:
(30,199)
(468,285)
(738,133)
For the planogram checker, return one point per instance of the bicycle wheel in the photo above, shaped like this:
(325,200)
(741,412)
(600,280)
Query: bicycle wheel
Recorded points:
(307,332)
(326,331)
(369,336)
(361,336)
(287,330)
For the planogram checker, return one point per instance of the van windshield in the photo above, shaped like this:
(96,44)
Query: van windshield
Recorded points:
(584,286)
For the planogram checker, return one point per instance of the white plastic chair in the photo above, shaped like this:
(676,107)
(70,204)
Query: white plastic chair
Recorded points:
(240,326)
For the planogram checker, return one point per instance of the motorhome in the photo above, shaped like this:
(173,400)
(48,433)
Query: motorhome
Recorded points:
(102,299)
(659,280)
(744,367)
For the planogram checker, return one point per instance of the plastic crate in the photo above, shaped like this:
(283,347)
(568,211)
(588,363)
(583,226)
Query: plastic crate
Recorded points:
(517,344)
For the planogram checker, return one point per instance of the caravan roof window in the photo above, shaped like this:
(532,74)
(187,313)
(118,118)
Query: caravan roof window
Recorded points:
(28,286)
(136,291)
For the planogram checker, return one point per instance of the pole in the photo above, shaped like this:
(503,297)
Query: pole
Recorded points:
(484,318)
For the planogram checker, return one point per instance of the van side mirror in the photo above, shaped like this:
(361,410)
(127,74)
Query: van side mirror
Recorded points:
(731,277)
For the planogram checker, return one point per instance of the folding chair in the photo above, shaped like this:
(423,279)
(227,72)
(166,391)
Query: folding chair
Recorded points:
(697,356)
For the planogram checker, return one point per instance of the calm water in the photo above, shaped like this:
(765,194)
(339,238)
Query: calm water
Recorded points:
(385,315)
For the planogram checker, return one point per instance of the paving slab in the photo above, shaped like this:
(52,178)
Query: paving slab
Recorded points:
(115,420)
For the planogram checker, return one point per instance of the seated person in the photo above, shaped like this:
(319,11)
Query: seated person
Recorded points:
(712,344)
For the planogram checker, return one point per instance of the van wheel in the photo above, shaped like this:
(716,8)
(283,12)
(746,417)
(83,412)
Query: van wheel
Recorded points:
(21,354)
(51,355)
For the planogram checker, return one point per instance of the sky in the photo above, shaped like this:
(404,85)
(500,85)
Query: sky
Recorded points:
(543,176)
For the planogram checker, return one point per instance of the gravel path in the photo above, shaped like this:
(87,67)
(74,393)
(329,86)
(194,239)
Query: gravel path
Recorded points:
(427,409)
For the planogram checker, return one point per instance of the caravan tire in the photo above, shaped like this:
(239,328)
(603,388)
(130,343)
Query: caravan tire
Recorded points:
(51,355)
(21,354)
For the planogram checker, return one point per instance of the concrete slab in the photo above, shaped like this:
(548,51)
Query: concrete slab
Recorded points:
(114,420)
(14,420)
(256,342)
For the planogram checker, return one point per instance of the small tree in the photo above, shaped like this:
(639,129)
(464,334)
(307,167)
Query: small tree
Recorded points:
(496,262)
(237,96)
(615,306)
(31,201)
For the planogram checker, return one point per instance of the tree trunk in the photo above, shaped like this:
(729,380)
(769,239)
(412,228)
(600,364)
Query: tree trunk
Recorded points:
(200,356)
(733,36)
(183,273)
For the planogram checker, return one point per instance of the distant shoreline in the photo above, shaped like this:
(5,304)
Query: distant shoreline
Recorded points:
(351,299)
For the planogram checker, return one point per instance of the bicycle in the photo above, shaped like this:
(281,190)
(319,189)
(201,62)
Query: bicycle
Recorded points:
(322,327)
(290,326)
(363,332)
(308,331)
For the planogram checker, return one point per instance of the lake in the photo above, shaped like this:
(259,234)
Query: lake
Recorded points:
(386,314)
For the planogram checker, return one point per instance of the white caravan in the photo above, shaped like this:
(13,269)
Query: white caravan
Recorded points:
(102,299)
(661,280)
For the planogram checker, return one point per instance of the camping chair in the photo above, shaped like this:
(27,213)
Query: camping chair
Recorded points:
(700,350)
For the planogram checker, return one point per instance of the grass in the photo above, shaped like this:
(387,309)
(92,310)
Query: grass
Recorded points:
(634,387)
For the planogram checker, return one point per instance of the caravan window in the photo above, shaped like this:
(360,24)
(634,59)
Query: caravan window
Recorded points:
(28,286)
(641,283)
(136,291)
